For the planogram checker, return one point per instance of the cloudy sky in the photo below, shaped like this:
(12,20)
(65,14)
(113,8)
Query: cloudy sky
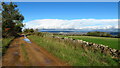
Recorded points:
(73,24)
(65,15)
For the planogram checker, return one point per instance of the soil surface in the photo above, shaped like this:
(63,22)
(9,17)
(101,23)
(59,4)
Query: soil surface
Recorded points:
(22,53)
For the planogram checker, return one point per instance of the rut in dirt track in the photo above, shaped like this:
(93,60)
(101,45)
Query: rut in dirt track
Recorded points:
(21,53)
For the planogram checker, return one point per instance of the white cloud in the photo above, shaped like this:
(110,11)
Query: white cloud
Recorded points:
(74,24)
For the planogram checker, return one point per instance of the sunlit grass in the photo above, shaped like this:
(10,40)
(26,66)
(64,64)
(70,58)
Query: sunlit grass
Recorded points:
(76,57)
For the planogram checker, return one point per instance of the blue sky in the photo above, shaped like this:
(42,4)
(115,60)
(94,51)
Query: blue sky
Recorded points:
(62,0)
(75,15)
(68,10)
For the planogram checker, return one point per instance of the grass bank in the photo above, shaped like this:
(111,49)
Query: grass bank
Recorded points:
(76,57)
(111,42)
(5,43)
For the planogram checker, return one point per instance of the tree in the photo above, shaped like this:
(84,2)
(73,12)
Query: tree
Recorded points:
(11,20)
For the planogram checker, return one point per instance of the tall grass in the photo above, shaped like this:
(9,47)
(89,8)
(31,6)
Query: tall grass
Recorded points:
(111,42)
(76,57)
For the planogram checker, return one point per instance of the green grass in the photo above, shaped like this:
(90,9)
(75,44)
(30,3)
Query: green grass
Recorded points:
(111,42)
(66,52)
(6,42)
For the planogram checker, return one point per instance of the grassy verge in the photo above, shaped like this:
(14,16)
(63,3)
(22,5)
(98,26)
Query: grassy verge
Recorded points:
(111,42)
(5,43)
(66,52)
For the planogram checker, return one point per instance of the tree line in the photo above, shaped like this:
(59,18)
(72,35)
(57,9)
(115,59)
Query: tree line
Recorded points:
(101,34)
(97,33)
(27,30)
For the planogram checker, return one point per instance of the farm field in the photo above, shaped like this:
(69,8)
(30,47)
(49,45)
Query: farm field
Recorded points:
(111,42)
(66,52)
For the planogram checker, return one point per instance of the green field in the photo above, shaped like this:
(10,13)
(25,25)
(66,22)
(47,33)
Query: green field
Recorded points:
(75,57)
(111,42)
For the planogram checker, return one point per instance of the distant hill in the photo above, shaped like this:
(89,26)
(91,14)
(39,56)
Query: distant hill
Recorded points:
(80,31)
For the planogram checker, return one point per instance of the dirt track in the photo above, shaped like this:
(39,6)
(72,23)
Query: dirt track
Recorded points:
(21,53)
